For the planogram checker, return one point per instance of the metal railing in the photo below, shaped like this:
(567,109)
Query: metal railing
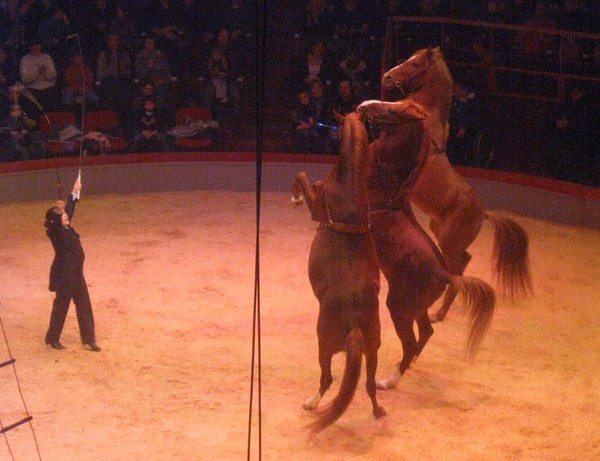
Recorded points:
(501,59)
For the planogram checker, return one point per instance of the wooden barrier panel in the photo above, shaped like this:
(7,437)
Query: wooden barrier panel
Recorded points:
(138,173)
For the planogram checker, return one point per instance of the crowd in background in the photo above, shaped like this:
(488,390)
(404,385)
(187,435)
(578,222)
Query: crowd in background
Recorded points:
(123,56)
(143,59)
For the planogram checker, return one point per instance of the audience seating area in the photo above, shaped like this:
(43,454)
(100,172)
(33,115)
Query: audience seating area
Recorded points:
(196,61)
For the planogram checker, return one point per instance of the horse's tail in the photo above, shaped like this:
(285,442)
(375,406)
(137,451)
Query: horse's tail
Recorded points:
(510,256)
(479,300)
(336,408)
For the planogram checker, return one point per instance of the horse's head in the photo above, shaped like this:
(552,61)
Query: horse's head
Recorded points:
(392,113)
(414,73)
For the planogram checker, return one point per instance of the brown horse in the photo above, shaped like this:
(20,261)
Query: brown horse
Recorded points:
(451,203)
(344,274)
(408,258)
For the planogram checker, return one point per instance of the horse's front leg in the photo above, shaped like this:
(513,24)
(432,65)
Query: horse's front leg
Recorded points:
(297,189)
(392,112)
(325,381)
(301,187)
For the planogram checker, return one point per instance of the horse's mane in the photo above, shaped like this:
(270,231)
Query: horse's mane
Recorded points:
(438,57)
(353,142)
(441,83)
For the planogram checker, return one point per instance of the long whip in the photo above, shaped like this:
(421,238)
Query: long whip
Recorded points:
(82,116)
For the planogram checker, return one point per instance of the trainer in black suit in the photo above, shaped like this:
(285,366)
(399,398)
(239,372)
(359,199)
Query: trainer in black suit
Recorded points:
(66,275)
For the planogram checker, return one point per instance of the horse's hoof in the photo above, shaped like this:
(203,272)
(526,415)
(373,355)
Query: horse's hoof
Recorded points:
(436,318)
(379,412)
(308,406)
(297,201)
(385,385)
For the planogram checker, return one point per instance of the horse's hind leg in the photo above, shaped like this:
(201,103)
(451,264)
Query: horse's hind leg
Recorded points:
(371,359)
(425,332)
(456,266)
(325,381)
(455,234)
(404,330)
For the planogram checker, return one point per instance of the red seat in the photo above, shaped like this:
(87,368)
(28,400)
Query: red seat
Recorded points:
(105,122)
(51,124)
(183,117)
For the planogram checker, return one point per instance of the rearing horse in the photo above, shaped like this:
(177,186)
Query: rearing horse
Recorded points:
(453,206)
(409,259)
(344,273)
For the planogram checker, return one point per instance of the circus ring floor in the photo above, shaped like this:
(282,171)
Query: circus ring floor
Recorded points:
(170,246)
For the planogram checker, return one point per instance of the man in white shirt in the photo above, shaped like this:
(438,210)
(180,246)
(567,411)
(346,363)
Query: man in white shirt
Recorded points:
(38,75)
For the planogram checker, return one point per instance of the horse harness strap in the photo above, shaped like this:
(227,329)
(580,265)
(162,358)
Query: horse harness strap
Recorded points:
(436,146)
(343,228)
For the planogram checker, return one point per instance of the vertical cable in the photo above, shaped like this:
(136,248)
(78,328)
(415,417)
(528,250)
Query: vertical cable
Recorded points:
(260,45)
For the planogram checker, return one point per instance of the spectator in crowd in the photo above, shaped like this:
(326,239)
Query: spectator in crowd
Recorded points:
(166,26)
(318,21)
(221,91)
(435,8)
(14,95)
(468,116)
(79,85)
(113,76)
(38,75)
(355,70)
(520,10)
(533,44)
(30,15)
(23,141)
(53,32)
(94,23)
(234,15)
(305,138)
(6,23)
(150,130)
(8,70)
(497,11)
(317,64)
(345,101)
(351,26)
(199,38)
(571,54)
(574,17)
(123,26)
(195,19)
(162,107)
(321,104)
(232,52)
(575,142)
(151,63)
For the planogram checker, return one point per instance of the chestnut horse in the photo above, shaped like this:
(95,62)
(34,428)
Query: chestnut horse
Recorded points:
(344,274)
(454,208)
(409,259)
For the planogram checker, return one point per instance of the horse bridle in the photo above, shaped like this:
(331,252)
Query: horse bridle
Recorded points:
(344,228)
(405,83)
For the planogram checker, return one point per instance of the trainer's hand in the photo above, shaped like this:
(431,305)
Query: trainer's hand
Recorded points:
(77,185)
